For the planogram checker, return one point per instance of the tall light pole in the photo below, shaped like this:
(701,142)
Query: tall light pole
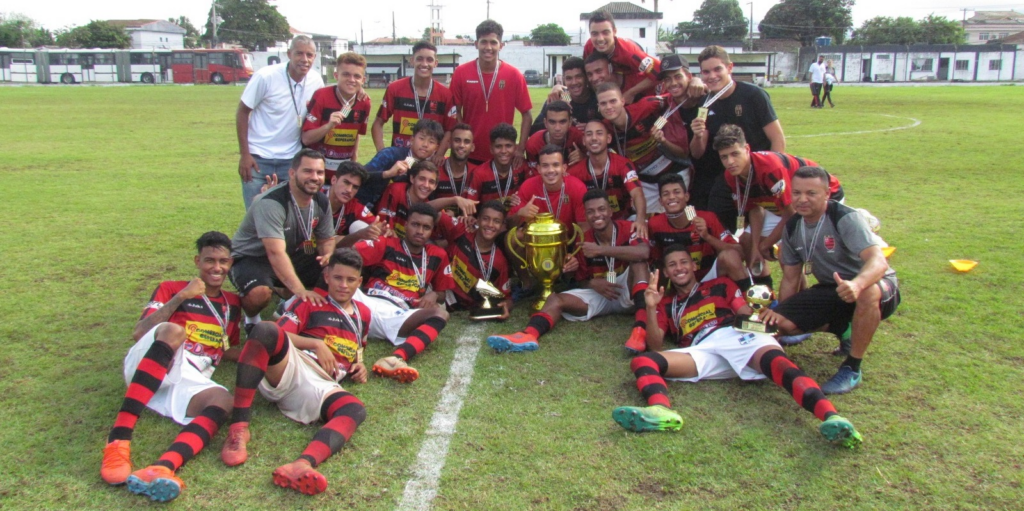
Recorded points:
(751,4)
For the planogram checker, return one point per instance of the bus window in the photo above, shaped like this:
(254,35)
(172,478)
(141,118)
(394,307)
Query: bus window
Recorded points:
(216,58)
(103,59)
(182,58)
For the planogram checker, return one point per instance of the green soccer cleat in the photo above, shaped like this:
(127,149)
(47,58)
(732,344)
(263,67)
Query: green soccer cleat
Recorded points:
(651,418)
(840,431)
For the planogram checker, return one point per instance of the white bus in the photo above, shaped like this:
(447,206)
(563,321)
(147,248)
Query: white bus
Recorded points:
(70,66)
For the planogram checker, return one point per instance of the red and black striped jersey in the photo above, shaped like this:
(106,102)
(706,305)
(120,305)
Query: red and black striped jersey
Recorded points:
(711,307)
(392,275)
(466,267)
(449,185)
(538,140)
(629,60)
(566,204)
(352,211)
(591,267)
(203,333)
(772,179)
(400,104)
(339,144)
(622,179)
(394,209)
(325,322)
(636,143)
(483,187)
(663,234)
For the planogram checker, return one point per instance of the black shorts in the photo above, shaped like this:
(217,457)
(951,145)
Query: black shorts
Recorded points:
(820,305)
(248,273)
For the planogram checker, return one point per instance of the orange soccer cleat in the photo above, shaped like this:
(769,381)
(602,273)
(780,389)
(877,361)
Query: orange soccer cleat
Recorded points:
(301,477)
(395,368)
(637,342)
(156,482)
(233,453)
(117,463)
(519,341)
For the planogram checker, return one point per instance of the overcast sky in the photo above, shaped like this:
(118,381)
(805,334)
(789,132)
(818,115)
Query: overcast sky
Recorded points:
(342,17)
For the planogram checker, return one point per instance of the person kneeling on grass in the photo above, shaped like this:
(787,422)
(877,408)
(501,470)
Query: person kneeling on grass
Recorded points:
(699,316)
(297,364)
(612,265)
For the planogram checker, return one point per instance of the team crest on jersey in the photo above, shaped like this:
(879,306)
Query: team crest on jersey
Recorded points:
(779,188)
(432,105)
(646,64)
(739,110)
(154,305)
(311,118)
(501,84)
(830,244)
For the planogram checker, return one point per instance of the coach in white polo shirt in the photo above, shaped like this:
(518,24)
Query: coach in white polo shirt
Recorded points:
(270,115)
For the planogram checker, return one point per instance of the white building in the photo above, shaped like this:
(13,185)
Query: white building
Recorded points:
(987,26)
(153,34)
(632,22)
(921,63)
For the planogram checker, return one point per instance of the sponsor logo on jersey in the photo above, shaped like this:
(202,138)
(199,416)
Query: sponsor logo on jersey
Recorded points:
(631,176)
(646,65)
(341,346)
(830,244)
(203,333)
(342,137)
(696,318)
(460,273)
(399,280)
(195,305)
(779,188)
(407,125)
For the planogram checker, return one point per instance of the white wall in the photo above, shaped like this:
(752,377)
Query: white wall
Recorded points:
(146,40)
(519,56)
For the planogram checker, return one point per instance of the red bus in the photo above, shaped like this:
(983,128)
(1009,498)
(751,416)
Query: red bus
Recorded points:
(211,66)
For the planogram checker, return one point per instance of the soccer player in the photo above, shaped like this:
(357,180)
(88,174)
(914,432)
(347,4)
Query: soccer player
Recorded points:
(284,239)
(338,115)
(184,332)
(743,104)
(582,99)
(488,92)
(856,288)
(558,130)
(391,163)
(638,69)
(352,220)
(630,126)
(612,267)
(454,180)
(407,278)
(537,195)
(683,92)
(699,317)
(298,364)
(409,100)
(475,254)
(400,197)
(498,178)
(269,118)
(614,174)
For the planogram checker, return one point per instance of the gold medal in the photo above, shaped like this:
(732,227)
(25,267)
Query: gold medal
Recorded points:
(660,122)
(308,248)
(808,268)
(345,110)
(224,342)
(741,223)
(565,96)
(611,275)
(702,113)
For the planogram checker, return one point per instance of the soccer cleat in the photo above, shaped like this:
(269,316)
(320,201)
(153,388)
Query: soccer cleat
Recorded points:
(651,418)
(845,380)
(793,340)
(117,463)
(519,341)
(395,368)
(840,431)
(301,477)
(156,482)
(637,342)
(234,453)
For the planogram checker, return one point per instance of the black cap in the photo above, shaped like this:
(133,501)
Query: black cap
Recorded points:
(672,63)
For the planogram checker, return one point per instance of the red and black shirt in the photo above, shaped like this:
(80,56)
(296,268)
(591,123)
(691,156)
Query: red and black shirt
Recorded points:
(772,178)
(393,275)
(621,180)
(591,267)
(352,211)
(537,141)
(466,267)
(339,144)
(566,205)
(203,332)
(663,234)
(394,209)
(399,103)
(712,306)
(483,187)
(636,142)
(325,322)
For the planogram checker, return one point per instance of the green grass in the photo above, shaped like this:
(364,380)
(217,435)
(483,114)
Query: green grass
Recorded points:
(105,189)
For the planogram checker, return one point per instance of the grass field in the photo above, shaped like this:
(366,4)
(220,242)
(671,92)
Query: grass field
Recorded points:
(105,190)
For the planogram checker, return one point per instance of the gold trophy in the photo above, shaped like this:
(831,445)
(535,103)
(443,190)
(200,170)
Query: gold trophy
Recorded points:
(486,310)
(758,297)
(545,250)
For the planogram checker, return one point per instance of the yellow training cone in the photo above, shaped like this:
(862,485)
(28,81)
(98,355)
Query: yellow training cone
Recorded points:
(963,265)
(887,251)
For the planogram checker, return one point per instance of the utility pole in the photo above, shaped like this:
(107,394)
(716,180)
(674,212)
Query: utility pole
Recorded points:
(488,9)
(394,35)
(963,24)
(751,4)
(215,20)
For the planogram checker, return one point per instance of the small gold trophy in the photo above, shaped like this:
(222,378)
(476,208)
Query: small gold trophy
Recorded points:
(758,297)
(546,247)
(486,310)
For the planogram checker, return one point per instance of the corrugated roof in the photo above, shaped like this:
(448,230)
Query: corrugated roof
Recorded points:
(625,11)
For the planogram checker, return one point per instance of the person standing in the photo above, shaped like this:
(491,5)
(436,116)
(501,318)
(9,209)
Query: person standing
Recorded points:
(338,115)
(817,71)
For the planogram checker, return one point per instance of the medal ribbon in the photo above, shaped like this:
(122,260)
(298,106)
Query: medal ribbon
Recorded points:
(291,90)
(809,248)
(711,99)
(742,206)
(610,261)
(421,271)
(355,324)
(485,271)
(620,141)
(607,165)
(547,199)
(497,180)
(305,226)
(677,315)
(420,110)
(494,78)
(222,321)
(451,178)
(346,105)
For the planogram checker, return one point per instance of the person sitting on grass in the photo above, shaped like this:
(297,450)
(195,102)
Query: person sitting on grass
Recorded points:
(182,335)
(699,317)
(475,254)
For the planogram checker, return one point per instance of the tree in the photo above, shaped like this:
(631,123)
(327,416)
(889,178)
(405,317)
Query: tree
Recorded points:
(96,34)
(686,29)
(667,33)
(805,20)
(720,20)
(20,31)
(192,35)
(904,30)
(550,34)
(942,30)
(426,34)
(253,24)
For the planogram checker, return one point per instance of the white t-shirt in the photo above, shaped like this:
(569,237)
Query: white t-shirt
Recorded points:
(817,72)
(830,79)
(278,108)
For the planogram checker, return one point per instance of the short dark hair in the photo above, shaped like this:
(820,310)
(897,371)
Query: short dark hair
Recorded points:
(596,193)
(714,52)
(572,63)
(493,204)
(727,136)
(420,166)
(347,168)
(596,56)
(558,106)
(306,152)
(346,256)
(607,86)
(671,178)
(600,16)
(422,208)
(432,127)
(489,27)
(423,45)
(462,126)
(809,172)
(675,247)
(503,130)
(550,149)
(213,239)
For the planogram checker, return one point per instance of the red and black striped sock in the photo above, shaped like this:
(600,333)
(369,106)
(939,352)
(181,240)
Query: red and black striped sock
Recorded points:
(193,437)
(267,345)
(343,413)
(640,304)
(649,369)
(540,323)
(420,338)
(805,391)
(145,382)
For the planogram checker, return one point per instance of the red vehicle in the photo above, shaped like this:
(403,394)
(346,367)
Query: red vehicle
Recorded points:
(211,66)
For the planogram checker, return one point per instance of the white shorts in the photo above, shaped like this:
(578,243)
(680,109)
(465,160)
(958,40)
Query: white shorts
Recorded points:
(724,354)
(303,387)
(386,318)
(188,375)
(654,198)
(770,221)
(598,305)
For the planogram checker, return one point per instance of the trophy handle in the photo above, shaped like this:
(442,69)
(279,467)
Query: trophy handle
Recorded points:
(509,239)
(576,236)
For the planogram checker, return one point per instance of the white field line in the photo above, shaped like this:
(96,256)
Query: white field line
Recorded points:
(421,489)
(915,124)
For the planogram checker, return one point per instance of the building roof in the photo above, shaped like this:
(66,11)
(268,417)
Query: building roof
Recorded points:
(1017,38)
(996,18)
(148,25)
(625,11)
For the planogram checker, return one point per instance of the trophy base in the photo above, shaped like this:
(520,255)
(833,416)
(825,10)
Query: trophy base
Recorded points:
(744,324)
(483,314)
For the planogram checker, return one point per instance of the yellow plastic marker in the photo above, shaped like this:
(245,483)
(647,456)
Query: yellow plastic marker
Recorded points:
(963,265)
(887,251)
